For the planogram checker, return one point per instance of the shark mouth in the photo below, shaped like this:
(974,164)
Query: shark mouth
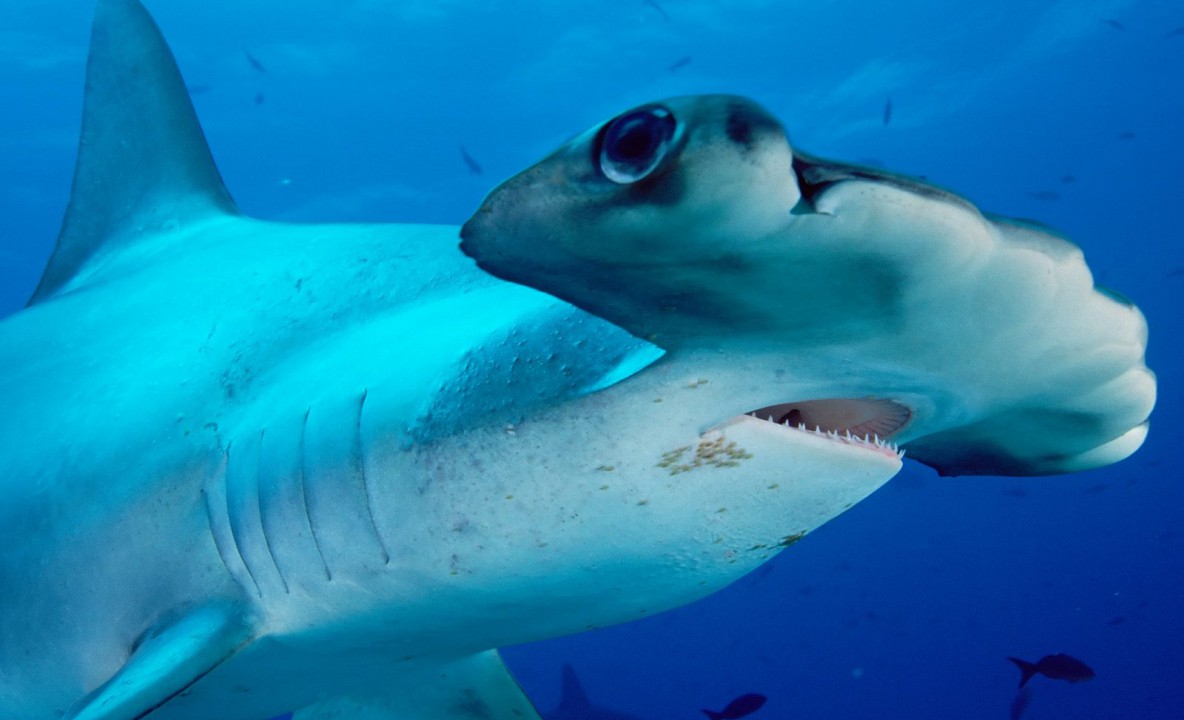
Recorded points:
(854,421)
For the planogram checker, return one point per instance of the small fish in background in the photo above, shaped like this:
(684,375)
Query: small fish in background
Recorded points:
(1115,24)
(680,63)
(1046,195)
(259,98)
(254,61)
(660,10)
(474,168)
(1068,179)
(1176,272)
(1020,703)
(1116,620)
(1178,32)
(888,111)
(1128,135)
(199,89)
(1056,667)
(742,706)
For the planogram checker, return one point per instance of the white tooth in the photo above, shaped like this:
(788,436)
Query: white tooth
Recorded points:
(801,426)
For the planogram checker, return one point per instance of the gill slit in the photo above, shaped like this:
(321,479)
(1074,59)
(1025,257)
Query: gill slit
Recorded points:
(262,520)
(360,459)
(234,535)
(205,494)
(304,496)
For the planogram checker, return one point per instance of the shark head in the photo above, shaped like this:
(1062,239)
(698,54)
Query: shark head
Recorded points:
(858,300)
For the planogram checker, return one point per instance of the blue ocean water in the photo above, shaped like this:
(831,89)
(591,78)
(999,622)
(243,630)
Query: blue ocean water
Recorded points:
(907,606)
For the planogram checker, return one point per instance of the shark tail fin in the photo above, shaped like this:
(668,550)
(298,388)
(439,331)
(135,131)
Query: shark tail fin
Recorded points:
(143,164)
(1027,670)
(572,697)
(479,687)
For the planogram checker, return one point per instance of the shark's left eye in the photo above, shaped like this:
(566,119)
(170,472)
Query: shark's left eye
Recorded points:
(635,143)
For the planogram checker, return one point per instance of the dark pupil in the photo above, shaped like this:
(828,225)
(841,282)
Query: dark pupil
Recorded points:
(634,139)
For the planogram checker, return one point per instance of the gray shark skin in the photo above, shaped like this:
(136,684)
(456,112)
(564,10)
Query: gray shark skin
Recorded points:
(858,299)
(252,468)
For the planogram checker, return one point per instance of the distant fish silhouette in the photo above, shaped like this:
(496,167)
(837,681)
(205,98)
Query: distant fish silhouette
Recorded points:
(1046,195)
(1116,620)
(659,8)
(1067,179)
(888,111)
(1115,24)
(1020,703)
(574,704)
(199,89)
(1057,667)
(259,98)
(254,62)
(1128,135)
(742,706)
(473,166)
(680,63)
(1176,272)
(1175,33)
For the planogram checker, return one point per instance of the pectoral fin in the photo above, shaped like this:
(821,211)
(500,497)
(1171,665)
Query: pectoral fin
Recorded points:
(168,659)
(479,687)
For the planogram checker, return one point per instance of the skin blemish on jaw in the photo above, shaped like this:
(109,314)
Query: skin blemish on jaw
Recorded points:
(718,452)
(791,539)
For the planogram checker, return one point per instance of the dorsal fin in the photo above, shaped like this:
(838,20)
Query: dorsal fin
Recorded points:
(143,163)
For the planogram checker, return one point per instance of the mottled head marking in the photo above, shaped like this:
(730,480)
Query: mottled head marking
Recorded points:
(743,125)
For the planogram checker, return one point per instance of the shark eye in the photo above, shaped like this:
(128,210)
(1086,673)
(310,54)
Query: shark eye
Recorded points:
(634,144)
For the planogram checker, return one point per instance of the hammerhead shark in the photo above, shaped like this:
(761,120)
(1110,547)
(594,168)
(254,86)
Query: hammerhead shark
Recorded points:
(252,468)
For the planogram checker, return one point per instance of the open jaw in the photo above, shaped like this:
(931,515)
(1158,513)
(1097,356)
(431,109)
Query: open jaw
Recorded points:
(862,422)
